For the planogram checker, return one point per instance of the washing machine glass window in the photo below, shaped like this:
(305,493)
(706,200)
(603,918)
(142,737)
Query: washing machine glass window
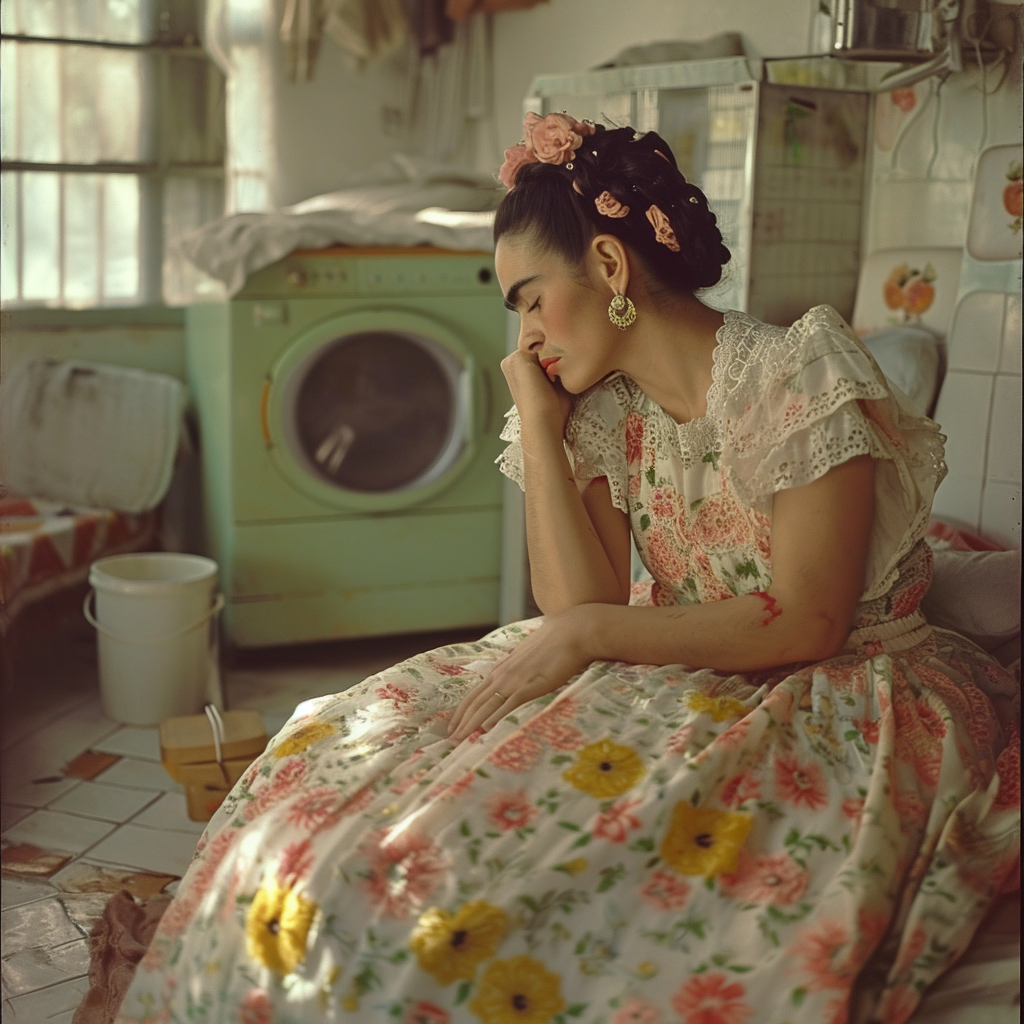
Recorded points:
(377,411)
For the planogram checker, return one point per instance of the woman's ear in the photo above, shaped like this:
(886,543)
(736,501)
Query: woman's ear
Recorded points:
(610,262)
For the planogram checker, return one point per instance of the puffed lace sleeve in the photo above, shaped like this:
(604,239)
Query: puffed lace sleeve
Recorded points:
(796,403)
(595,440)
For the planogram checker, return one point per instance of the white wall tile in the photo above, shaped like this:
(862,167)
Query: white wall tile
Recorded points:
(1010,359)
(1004,443)
(147,849)
(53,830)
(108,803)
(977,333)
(16,892)
(1000,514)
(43,923)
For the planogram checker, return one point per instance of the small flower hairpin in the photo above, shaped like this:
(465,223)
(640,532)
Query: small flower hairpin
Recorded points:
(553,139)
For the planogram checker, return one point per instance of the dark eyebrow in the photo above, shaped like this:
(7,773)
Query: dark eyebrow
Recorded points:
(512,299)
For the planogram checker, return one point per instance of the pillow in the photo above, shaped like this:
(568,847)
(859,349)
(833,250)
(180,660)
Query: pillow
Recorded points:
(976,594)
(911,358)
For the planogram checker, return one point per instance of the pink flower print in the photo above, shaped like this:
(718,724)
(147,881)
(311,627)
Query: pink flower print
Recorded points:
(665,891)
(708,583)
(662,502)
(426,1013)
(634,438)
(905,602)
(256,1007)
(910,809)
(898,1004)
(822,950)
(868,728)
(296,860)
(358,801)
(774,879)
(873,648)
(852,808)
(404,871)
(801,784)
(637,1010)
(519,753)
(555,733)
(712,998)
(740,788)
(395,694)
(283,782)
(507,810)
(910,949)
(608,206)
(455,789)
(930,720)
(617,822)
(447,669)
(662,228)
(679,741)
(664,558)
(735,735)
(316,810)
(721,523)
(634,485)
(1008,766)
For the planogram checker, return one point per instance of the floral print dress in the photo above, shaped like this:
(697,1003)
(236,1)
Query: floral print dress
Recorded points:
(648,844)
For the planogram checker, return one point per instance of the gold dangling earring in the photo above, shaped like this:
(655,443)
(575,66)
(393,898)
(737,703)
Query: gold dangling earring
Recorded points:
(621,311)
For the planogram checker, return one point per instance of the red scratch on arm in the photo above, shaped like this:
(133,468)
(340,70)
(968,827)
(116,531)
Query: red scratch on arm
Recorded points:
(771,608)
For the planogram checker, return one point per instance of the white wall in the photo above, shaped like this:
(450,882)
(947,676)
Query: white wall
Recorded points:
(572,35)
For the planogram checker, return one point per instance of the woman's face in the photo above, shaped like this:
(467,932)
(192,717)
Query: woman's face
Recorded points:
(563,320)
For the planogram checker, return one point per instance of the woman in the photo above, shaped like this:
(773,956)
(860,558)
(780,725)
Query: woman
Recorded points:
(564,822)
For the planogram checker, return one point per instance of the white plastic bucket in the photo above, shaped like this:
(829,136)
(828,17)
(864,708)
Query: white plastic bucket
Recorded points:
(153,616)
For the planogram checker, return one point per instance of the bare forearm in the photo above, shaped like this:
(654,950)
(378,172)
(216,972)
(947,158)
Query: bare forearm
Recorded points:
(568,564)
(741,634)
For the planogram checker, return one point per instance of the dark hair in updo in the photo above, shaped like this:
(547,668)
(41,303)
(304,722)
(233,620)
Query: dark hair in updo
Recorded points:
(545,206)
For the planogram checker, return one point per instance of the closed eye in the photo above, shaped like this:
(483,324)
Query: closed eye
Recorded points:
(536,305)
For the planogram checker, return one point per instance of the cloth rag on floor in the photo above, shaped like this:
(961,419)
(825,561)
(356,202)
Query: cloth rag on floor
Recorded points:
(116,945)
(402,202)
(90,434)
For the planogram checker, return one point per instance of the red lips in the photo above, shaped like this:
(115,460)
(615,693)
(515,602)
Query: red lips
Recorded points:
(546,365)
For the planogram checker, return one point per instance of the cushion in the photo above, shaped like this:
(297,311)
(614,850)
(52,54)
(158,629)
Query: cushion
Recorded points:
(977,594)
(911,358)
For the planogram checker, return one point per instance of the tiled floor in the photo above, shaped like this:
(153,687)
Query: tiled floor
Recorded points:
(68,842)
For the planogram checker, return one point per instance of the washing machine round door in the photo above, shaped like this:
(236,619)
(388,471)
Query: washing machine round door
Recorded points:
(372,410)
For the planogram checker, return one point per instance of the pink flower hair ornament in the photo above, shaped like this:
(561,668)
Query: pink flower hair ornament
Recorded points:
(662,228)
(608,206)
(553,139)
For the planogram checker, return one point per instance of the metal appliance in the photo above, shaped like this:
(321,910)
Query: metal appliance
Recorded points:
(349,403)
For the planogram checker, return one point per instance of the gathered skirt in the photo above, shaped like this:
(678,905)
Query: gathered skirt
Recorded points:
(646,845)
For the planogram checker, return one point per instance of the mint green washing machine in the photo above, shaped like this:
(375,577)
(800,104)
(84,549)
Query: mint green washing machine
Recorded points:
(349,404)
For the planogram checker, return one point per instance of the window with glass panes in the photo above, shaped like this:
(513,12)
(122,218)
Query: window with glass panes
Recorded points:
(112,144)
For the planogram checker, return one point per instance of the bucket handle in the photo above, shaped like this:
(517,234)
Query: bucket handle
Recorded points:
(93,621)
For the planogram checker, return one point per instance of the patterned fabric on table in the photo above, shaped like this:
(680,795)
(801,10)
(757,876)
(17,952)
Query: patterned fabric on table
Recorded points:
(652,844)
(46,546)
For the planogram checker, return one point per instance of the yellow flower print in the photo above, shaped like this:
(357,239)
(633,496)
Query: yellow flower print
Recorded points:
(605,769)
(303,737)
(646,969)
(721,709)
(277,926)
(451,947)
(574,866)
(704,841)
(520,990)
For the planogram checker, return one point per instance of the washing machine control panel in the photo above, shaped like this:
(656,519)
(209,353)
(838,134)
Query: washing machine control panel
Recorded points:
(314,274)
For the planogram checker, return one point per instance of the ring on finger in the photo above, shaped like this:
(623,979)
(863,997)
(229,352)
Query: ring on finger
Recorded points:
(500,696)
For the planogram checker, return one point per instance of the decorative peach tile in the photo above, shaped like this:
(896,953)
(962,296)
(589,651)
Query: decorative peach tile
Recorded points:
(89,764)
(108,803)
(147,849)
(64,833)
(42,924)
(29,861)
